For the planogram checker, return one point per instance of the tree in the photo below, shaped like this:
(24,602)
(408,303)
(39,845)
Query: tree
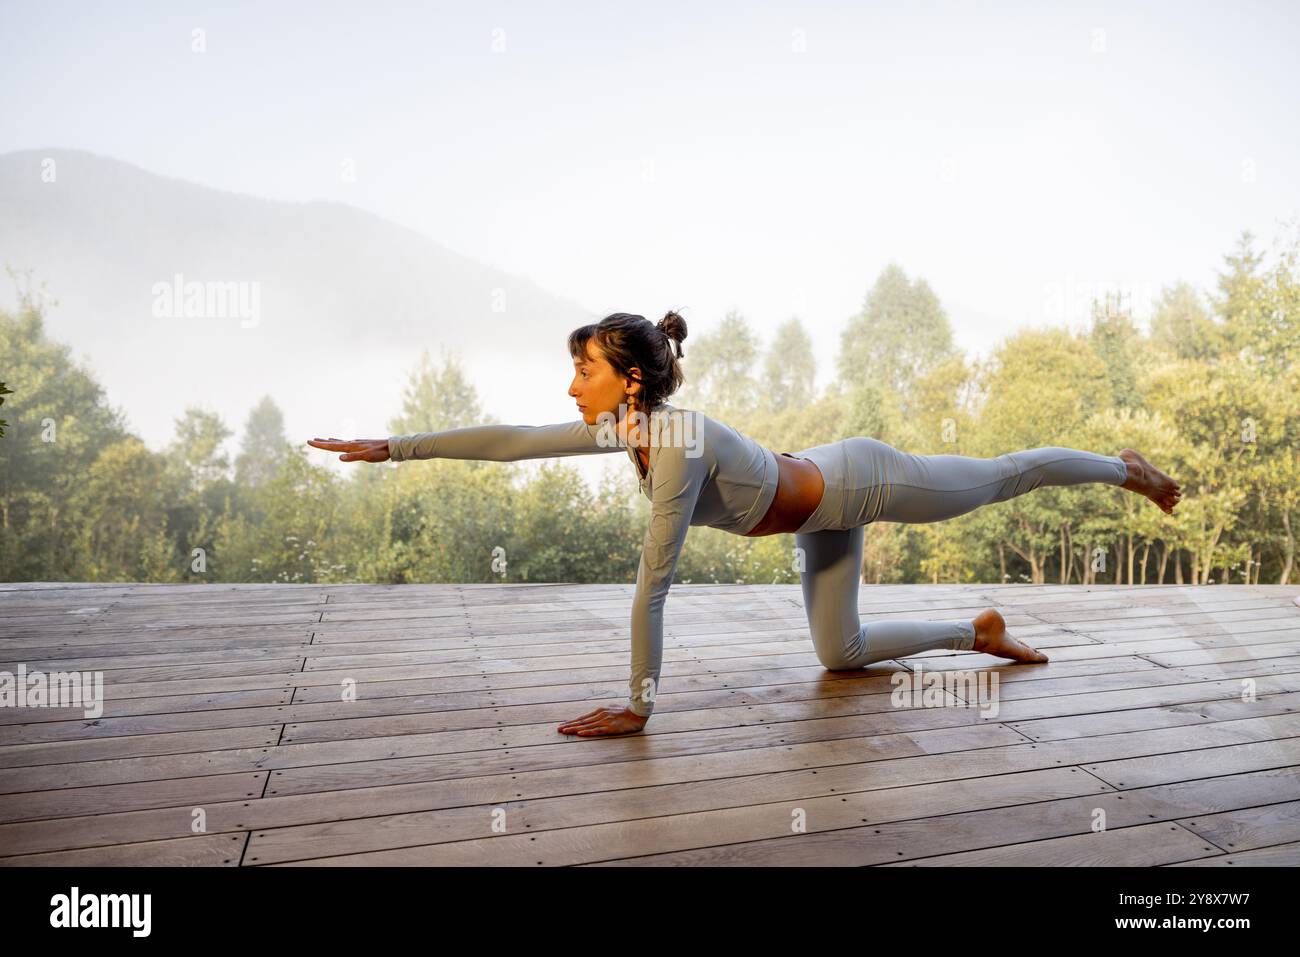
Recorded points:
(290,540)
(790,369)
(940,419)
(900,333)
(1138,526)
(437,399)
(1181,325)
(1218,410)
(263,445)
(1239,288)
(550,536)
(719,371)
(1118,343)
(196,452)
(1038,384)
(1269,323)
(198,483)
(61,422)
(122,532)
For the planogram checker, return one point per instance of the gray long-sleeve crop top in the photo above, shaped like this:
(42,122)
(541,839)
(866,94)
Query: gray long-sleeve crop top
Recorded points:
(702,472)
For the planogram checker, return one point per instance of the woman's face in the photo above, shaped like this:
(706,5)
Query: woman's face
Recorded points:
(597,387)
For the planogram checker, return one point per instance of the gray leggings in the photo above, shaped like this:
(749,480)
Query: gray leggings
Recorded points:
(869,481)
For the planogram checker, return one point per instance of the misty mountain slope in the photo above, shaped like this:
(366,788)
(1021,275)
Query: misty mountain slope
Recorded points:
(344,299)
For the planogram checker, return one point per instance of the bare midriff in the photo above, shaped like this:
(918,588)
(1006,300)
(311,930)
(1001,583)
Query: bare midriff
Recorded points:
(799,489)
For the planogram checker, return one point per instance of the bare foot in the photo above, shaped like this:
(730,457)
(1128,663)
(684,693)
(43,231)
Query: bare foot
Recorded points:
(991,638)
(1145,479)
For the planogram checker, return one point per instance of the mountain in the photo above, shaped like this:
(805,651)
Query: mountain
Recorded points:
(323,306)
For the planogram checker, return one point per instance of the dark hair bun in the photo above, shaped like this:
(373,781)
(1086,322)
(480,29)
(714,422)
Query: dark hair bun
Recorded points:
(674,326)
(630,341)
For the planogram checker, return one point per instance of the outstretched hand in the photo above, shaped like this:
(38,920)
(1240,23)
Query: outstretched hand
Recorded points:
(605,721)
(358,450)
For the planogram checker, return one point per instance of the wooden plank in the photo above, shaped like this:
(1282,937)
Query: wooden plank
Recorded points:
(206,850)
(1159,769)
(1245,829)
(192,792)
(1280,855)
(1144,845)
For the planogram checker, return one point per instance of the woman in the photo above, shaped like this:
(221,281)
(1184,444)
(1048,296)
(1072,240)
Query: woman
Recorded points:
(697,471)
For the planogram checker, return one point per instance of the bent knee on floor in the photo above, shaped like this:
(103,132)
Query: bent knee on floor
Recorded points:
(837,653)
(837,663)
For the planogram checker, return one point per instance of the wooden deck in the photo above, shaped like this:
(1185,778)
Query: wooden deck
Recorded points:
(226,738)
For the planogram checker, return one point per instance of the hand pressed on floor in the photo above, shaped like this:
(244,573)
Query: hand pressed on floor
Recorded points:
(605,721)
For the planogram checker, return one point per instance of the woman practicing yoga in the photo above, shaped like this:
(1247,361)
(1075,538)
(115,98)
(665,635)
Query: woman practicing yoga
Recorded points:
(697,471)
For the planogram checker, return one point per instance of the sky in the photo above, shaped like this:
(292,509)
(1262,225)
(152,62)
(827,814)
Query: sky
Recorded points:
(770,158)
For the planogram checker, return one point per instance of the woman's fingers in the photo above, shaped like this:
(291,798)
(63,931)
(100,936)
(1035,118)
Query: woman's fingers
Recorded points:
(578,722)
(345,445)
(582,721)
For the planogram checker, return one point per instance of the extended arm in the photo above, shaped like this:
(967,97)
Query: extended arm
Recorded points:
(677,480)
(505,443)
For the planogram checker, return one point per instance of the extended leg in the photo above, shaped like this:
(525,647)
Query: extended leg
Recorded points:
(831,570)
(902,487)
